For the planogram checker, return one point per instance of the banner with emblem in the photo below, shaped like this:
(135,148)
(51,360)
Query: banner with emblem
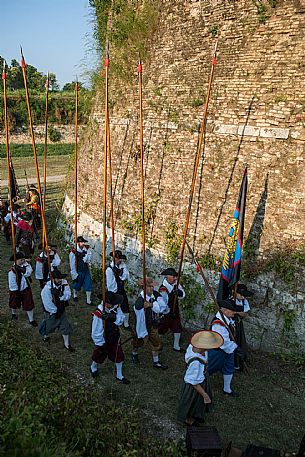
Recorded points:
(230,271)
(15,193)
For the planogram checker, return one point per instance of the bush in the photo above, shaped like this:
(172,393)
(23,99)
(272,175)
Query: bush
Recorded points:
(25,150)
(54,135)
(46,413)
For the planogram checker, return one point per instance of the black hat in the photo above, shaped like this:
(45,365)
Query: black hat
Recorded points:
(81,239)
(19,255)
(228,303)
(242,290)
(169,272)
(56,274)
(118,254)
(49,244)
(26,216)
(111,298)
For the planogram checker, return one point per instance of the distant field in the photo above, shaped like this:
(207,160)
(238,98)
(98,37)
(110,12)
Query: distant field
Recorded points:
(25,150)
(56,165)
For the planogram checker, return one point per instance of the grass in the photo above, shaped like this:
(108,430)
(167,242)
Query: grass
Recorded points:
(56,165)
(25,150)
(269,412)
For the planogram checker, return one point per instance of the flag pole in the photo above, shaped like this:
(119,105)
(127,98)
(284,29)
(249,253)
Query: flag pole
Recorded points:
(142,174)
(45,154)
(44,232)
(76,164)
(197,160)
(8,159)
(111,189)
(105,178)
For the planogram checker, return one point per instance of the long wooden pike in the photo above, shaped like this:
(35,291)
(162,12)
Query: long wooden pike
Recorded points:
(43,209)
(197,160)
(140,69)
(76,164)
(44,231)
(105,178)
(8,159)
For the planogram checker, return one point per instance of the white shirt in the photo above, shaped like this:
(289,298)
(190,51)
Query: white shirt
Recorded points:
(158,306)
(39,265)
(243,303)
(72,261)
(111,283)
(195,371)
(47,297)
(170,288)
(228,345)
(7,218)
(97,332)
(12,278)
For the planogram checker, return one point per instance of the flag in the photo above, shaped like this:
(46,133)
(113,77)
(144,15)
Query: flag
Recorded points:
(15,194)
(230,271)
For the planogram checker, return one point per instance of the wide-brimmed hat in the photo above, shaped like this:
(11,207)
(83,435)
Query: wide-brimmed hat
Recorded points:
(207,339)
(149,282)
(170,272)
(19,255)
(50,245)
(81,239)
(26,216)
(228,303)
(113,299)
(242,290)
(118,254)
(56,274)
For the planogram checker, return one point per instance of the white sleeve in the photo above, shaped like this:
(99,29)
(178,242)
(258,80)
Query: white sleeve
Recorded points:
(67,293)
(72,262)
(110,280)
(39,270)
(28,271)
(125,274)
(12,281)
(182,290)
(195,373)
(97,332)
(164,296)
(164,309)
(246,306)
(119,317)
(56,261)
(88,256)
(228,346)
(47,301)
(7,218)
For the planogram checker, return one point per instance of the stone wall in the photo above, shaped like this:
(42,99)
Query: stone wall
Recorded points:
(22,135)
(256,117)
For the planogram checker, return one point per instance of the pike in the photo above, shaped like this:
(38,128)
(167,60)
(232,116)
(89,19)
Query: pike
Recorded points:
(105,177)
(44,232)
(8,159)
(45,154)
(142,174)
(110,189)
(76,165)
(26,178)
(198,152)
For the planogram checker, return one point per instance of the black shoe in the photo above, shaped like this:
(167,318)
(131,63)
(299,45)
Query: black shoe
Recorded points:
(70,348)
(178,350)
(232,393)
(14,317)
(160,366)
(94,374)
(75,299)
(123,381)
(33,323)
(135,358)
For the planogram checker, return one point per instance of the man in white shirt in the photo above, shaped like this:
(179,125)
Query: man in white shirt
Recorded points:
(116,276)
(42,266)
(222,359)
(80,259)
(55,297)
(20,289)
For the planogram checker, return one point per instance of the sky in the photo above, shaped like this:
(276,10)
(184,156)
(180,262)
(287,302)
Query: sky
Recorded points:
(56,36)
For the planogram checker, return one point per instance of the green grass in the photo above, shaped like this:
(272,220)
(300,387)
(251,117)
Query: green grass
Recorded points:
(25,150)
(56,165)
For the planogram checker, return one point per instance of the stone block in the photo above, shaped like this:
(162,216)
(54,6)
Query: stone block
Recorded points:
(274,133)
(248,130)
(225,129)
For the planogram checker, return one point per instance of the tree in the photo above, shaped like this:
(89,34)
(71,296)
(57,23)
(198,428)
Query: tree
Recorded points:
(53,84)
(69,87)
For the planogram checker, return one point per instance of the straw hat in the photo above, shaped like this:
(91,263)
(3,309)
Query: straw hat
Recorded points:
(207,339)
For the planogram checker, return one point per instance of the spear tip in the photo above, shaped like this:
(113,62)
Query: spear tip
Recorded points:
(21,51)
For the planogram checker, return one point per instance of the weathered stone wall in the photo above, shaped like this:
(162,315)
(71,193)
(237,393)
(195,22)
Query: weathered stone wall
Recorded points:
(22,136)
(256,117)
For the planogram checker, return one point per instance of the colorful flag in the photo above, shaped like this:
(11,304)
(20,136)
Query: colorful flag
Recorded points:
(230,271)
(15,194)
